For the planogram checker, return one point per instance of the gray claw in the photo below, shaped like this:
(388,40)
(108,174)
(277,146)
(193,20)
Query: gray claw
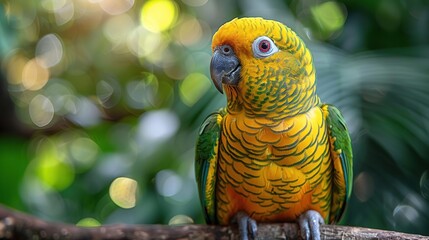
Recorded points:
(246,226)
(309,223)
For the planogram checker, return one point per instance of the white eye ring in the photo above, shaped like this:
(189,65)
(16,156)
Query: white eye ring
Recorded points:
(263,47)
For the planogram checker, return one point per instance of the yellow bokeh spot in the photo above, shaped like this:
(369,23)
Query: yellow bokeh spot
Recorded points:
(34,75)
(158,15)
(193,87)
(123,192)
(88,222)
(15,66)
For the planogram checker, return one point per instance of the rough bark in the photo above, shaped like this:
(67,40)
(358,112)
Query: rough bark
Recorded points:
(16,225)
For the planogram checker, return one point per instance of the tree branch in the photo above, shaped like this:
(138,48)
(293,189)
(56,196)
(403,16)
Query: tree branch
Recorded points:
(16,225)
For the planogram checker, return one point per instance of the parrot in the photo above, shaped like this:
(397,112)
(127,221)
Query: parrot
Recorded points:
(275,153)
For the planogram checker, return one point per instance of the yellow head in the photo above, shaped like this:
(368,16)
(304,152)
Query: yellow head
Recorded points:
(264,67)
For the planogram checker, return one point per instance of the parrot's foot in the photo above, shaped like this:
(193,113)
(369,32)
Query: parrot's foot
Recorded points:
(309,224)
(246,226)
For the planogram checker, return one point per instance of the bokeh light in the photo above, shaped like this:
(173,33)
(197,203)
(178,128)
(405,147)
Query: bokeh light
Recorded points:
(158,15)
(143,43)
(157,126)
(84,112)
(142,93)
(189,32)
(363,186)
(168,183)
(116,7)
(83,152)
(195,3)
(65,13)
(108,92)
(49,51)
(424,184)
(330,17)
(404,215)
(62,96)
(51,166)
(88,222)
(53,5)
(118,28)
(34,75)
(123,192)
(14,68)
(41,110)
(193,87)
(180,220)
(27,13)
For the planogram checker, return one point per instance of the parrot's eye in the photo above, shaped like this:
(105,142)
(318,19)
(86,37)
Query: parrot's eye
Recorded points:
(263,47)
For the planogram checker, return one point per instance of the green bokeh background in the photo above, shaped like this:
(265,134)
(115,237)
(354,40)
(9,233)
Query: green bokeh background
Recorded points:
(120,95)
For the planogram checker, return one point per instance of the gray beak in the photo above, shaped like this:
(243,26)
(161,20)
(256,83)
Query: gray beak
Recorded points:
(225,67)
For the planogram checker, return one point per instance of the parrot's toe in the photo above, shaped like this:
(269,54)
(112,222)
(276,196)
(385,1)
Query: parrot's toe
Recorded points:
(246,226)
(309,224)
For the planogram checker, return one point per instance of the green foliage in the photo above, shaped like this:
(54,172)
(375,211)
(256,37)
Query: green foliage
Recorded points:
(13,161)
(100,92)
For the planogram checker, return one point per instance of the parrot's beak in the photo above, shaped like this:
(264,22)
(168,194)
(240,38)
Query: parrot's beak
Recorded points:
(225,67)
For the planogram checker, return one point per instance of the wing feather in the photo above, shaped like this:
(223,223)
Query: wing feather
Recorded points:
(342,156)
(206,159)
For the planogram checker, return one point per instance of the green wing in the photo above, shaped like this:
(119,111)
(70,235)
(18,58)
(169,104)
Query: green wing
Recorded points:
(206,163)
(342,156)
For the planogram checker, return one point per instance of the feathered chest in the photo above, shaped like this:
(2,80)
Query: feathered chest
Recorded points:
(274,170)
(260,141)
